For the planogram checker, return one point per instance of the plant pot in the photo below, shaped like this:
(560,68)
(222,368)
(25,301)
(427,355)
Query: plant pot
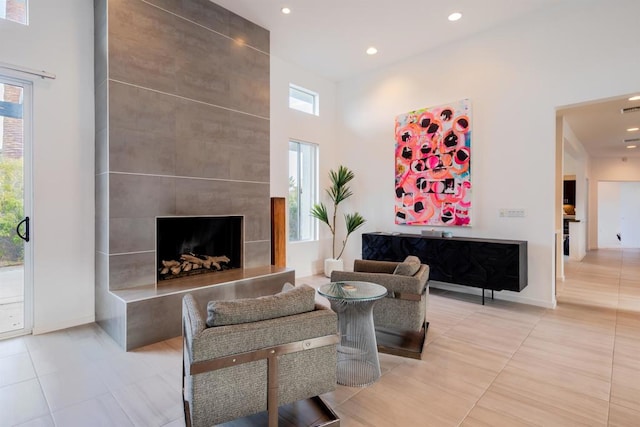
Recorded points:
(331,264)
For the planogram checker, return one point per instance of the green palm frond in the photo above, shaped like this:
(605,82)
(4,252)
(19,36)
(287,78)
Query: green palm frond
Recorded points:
(353,221)
(339,180)
(319,211)
(338,192)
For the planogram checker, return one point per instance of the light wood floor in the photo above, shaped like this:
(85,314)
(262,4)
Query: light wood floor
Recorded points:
(502,364)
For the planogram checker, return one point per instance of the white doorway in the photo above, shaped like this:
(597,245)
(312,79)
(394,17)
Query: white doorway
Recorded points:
(16,295)
(618,214)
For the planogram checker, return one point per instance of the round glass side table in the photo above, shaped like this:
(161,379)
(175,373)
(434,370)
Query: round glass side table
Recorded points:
(358,363)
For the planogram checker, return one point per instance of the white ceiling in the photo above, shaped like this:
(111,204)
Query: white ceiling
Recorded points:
(329,37)
(601,127)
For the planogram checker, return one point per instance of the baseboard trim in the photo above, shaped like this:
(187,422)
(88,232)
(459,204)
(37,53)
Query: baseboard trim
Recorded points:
(501,295)
(63,325)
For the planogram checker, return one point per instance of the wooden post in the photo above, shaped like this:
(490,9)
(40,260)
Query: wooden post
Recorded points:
(278,232)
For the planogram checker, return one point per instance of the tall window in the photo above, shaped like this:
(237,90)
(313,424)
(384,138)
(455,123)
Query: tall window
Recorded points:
(303,184)
(304,100)
(14,10)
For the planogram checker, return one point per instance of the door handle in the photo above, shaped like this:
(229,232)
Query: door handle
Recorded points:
(24,236)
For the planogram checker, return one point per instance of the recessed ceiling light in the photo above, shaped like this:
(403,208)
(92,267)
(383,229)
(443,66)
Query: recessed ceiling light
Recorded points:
(372,51)
(635,98)
(285,10)
(454,16)
(631,146)
(633,129)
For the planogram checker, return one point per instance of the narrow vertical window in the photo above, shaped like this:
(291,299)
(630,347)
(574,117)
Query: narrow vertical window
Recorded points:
(303,184)
(304,100)
(14,10)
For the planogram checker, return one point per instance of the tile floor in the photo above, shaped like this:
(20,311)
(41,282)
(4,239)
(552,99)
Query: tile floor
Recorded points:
(502,364)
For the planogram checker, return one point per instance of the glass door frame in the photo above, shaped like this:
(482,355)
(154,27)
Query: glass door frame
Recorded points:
(7,77)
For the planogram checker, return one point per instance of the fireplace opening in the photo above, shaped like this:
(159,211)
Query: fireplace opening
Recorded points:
(187,246)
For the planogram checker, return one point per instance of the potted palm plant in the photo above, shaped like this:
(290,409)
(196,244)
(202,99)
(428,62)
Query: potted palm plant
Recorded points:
(338,192)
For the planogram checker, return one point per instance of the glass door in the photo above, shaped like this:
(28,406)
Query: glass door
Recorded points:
(15,278)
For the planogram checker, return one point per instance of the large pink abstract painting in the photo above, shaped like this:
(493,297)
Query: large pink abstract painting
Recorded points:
(433,166)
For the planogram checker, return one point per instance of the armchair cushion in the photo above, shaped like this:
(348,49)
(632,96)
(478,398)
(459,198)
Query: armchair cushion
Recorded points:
(292,300)
(408,267)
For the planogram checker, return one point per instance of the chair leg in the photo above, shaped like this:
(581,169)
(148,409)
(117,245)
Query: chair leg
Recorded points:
(272,391)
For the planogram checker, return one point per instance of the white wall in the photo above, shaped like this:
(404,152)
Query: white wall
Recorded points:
(306,257)
(516,76)
(59,39)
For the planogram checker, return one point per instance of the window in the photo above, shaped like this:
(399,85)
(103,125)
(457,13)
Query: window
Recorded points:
(304,100)
(303,179)
(14,10)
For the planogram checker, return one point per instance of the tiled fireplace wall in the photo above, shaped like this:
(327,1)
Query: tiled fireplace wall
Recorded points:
(182,128)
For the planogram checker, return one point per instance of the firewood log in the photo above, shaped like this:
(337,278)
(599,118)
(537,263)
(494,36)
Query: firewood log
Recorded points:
(175,270)
(192,259)
(165,270)
(169,264)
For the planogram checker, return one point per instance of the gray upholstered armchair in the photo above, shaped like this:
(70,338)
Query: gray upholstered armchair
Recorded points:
(400,318)
(253,355)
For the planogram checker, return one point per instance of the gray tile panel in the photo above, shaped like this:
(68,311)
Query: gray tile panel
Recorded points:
(109,310)
(203,65)
(254,202)
(257,254)
(203,12)
(101,126)
(100,41)
(132,235)
(249,152)
(203,140)
(141,196)
(141,130)
(143,43)
(249,81)
(102,212)
(250,33)
(131,270)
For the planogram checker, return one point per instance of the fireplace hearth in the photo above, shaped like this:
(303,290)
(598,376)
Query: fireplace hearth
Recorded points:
(187,246)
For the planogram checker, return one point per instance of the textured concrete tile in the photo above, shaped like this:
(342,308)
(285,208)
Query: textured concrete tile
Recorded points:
(203,197)
(254,202)
(143,45)
(250,33)
(100,40)
(131,270)
(249,82)
(249,153)
(139,196)
(132,235)
(203,65)
(142,130)
(257,254)
(203,12)
(102,212)
(203,141)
